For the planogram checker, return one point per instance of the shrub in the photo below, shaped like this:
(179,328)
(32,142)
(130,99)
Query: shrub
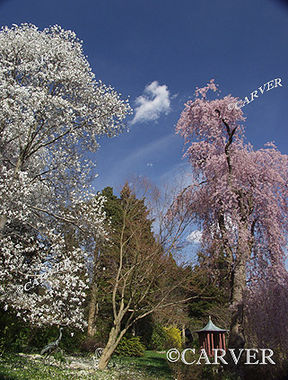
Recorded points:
(72,340)
(173,337)
(130,347)
(14,333)
(17,336)
(159,338)
(90,344)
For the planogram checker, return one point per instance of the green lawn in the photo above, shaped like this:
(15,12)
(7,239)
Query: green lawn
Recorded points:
(152,366)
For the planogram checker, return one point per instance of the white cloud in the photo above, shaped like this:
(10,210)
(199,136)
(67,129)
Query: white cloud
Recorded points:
(195,237)
(154,102)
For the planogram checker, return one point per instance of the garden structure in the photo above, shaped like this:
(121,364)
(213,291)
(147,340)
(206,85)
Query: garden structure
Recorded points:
(211,337)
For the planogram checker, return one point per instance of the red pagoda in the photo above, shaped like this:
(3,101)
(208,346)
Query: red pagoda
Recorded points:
(211,337)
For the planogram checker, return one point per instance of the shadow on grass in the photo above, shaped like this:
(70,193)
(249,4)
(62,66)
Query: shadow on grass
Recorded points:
(152,363)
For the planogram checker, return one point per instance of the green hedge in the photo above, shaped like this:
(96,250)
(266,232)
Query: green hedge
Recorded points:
(159,338)
(130,347)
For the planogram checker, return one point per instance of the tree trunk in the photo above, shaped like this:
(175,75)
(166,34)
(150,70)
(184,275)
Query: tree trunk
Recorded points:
(93,311)
(3,220)
(237,338)
(183,335)
(110,347)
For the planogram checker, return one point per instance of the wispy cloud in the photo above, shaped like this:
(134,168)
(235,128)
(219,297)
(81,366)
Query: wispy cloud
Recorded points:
(154,102)
(155,146)
(134,162)
(180,174)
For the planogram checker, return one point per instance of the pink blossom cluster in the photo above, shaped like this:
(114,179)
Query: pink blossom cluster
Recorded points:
(238,195)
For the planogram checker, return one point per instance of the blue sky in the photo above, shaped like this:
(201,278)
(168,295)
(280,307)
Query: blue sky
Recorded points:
(169,47)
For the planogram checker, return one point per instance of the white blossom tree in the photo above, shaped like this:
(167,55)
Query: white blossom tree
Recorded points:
(52,111)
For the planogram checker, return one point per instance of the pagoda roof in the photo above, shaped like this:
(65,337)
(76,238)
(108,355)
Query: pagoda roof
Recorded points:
(211,327)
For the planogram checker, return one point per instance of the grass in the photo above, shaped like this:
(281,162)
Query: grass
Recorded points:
(152,366)
(13,367)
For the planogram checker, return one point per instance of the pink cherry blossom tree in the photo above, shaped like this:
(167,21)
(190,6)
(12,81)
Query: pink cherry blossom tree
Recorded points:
(267,317)
(238,195)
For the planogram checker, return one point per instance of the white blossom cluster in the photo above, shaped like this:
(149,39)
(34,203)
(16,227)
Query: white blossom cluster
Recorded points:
(52,111)
(55,296)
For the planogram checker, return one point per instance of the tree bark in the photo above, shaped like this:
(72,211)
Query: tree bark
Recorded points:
(3,220)
(114,339)
(237,337)
(183,335)
(93,311)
